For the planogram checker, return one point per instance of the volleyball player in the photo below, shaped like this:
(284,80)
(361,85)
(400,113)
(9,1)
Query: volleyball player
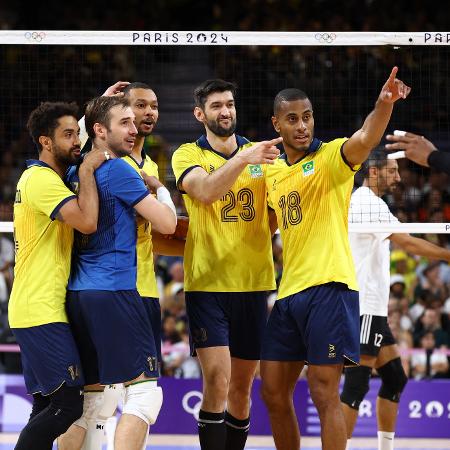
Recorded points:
(228,261)
(45,213)
(372,260)
(112,329)
(316,319)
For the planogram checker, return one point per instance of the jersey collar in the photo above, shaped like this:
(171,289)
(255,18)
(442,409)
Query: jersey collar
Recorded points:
(143,156)
(202,142)
(36,162)
(313,147)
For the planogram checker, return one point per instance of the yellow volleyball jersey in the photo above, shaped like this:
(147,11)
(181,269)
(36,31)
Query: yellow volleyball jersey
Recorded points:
(228,245)
(43,249)
(146,278)
(311,199)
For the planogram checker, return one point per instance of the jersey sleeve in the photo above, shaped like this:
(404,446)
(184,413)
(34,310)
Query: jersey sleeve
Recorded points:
(126,184)
(184,159)
(46,192)
(342,169)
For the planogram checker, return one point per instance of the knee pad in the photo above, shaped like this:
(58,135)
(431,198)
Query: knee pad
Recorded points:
(111,397)
(393,379)
(91,406)
(356,385)
(143,400)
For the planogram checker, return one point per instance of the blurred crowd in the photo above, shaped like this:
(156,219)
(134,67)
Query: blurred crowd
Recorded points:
(342,83)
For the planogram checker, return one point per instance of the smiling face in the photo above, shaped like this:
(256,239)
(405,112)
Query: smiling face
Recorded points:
(121,132)
(218,114)
(294,121)
(144,104)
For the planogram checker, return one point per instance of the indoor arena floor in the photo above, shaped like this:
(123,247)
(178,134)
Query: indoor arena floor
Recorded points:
(183,442)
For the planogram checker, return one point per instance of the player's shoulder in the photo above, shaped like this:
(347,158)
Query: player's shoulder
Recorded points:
(38,172)
(333,145)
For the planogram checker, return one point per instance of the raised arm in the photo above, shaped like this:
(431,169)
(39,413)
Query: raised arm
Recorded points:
(114,90)
(357,148)
(210,187)
(81,213)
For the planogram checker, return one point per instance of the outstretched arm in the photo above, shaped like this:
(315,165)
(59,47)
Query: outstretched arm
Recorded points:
(420,247)
(357,148)
(208,188)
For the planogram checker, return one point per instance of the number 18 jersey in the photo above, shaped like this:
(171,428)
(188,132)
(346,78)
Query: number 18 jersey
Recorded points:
(311,199)
(228,245)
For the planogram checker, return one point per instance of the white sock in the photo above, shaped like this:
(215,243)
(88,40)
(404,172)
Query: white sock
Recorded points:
(349,441)
(94,435)
(385,440)
(110,431)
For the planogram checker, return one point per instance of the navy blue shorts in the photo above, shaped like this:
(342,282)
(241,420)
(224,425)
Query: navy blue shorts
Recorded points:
(232,319)
(153,308)
(113,334)
(319,325)
(49,357)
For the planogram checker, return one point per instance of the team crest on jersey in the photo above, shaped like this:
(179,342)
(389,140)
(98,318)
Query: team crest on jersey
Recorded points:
(308,168)
(255,170)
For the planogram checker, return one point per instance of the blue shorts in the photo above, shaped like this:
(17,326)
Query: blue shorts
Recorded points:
(232,319)
(153,308)
(319,325)
(49,357)
(113,334)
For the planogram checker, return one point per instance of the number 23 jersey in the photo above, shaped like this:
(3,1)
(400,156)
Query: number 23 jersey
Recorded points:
(311,199)
(228,245)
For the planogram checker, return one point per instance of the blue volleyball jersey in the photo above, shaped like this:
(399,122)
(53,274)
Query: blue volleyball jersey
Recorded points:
(106,259)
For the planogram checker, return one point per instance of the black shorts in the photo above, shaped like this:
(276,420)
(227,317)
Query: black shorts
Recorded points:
(232,319)
(375,333)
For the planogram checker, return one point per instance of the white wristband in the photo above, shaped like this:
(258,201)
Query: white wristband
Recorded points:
(163,196)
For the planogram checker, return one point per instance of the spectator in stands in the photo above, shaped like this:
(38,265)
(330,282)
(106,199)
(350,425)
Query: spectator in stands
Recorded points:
(429,363)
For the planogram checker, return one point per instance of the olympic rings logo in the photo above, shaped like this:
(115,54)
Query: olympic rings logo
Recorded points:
(325,37)
(192,407)
(37,36)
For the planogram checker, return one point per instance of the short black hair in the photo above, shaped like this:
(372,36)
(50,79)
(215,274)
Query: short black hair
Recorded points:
(287,95)
(43,120)
(377,158)
(136,85)
(98,111)
(209,87)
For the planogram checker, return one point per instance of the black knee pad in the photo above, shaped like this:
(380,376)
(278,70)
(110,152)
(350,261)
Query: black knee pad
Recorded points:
(65,406)
(356,385)
(393,379)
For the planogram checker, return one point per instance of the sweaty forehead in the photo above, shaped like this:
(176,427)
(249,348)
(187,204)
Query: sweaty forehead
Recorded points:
(391,164)
(219,97)
(67,123)
(142,94)
(298,107)
(118,112)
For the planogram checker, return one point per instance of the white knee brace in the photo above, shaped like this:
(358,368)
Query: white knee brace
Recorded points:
(143,400)
(91,405)
(111,397)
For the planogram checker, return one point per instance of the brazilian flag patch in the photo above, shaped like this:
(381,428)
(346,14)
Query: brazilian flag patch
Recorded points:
(308,168)
(255,170)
